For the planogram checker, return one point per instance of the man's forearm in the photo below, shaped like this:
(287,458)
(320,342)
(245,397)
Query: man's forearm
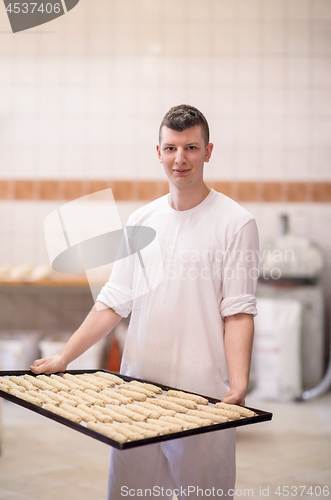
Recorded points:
(238,342)
(97,324)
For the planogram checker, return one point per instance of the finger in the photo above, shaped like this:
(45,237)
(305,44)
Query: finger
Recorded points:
(228,400)
(38,366)
(233,400)
(226,396)
(38,362)
(35,369)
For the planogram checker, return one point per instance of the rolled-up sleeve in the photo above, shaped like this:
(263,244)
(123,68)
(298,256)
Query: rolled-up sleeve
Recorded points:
(117,292)
(240,272)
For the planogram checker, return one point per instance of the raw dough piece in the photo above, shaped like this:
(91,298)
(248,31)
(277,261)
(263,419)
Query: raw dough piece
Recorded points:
(132,394)
(201,422)
(157,428)
(99,395)
(56,397)
(138,388)
(65,382)
(220,419)
(81,383)
(184,395)
(39,383)
(21,381)
(102,417)
(66,414)
(71,398)
(87,397)
(77,411)
(107,430)
(12,385)
(167,426)
(167,405)
(59,386)
(118,417)
(110,376)
(4,387)
(179,421)
(145,433)
(99,380)
(131,414)
(26,397)
(131,434)
(144,411)
(160,411)
(149,387)
(188,403)
(233,415)
(122,399)
(42,397)
(94,381)
(245,412)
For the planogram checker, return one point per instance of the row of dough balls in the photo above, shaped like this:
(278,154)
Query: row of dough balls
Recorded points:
(84,398)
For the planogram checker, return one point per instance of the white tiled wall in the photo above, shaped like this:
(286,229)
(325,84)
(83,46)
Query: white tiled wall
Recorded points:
(83,95)
(22,229)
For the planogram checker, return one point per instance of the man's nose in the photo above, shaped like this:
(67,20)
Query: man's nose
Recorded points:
(180,156)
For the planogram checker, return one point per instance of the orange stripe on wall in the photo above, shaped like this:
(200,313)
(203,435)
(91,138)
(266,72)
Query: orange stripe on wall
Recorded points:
(294,192)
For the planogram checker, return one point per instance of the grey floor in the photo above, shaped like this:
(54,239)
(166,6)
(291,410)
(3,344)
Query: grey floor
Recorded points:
(43,460)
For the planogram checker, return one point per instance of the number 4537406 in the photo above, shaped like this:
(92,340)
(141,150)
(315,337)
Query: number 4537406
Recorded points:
(30,8)
(299,491)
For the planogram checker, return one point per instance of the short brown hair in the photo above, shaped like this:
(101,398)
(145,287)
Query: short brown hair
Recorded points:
(183,117)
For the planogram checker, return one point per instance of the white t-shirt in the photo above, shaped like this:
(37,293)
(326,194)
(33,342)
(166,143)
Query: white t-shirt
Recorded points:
(210,259)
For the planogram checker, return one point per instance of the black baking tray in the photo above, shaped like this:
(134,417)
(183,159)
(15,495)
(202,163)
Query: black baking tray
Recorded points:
(262,416)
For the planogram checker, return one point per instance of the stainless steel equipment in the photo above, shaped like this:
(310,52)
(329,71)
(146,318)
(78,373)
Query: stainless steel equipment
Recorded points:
(289,258)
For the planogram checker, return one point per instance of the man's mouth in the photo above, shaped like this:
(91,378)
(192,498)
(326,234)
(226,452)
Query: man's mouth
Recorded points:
(181,170)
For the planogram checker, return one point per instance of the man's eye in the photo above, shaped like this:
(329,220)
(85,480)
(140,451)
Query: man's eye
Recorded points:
(191,147)
(170,148)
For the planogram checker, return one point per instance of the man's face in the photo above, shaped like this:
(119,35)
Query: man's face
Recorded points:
(183,155)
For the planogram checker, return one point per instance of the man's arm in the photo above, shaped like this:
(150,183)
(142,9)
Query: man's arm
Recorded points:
(97,325)
(238,342)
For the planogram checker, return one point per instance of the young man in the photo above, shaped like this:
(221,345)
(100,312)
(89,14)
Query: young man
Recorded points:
(194,330)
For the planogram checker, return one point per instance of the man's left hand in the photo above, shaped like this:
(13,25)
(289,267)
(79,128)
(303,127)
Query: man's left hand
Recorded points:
(235,397)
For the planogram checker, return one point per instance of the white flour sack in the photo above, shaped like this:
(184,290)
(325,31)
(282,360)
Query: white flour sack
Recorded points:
(277,349)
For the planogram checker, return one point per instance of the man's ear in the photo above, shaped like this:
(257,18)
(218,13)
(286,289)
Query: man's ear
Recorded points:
(209,149)
(158,149)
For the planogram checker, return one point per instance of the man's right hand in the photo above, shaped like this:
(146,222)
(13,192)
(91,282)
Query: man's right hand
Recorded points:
(49,365)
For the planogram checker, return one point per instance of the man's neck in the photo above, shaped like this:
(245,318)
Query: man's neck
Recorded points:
(185,199)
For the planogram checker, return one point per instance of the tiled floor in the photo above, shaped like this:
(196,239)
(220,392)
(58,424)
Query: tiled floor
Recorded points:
(293,450)
(43,460)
